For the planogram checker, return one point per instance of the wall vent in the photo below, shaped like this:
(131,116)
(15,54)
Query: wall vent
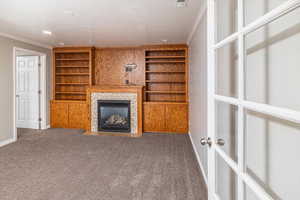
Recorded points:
(181,3)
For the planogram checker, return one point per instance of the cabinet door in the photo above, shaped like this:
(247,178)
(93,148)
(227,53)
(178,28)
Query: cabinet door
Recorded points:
(154,118)
(177,118)
(78,115)
(59,115)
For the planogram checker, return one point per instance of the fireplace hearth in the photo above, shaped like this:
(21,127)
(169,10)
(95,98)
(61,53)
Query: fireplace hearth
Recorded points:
(114,116)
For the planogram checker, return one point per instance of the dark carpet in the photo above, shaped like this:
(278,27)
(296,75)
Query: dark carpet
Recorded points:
(61,164)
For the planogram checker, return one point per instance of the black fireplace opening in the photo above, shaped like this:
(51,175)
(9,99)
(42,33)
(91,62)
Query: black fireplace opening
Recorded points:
(114,116)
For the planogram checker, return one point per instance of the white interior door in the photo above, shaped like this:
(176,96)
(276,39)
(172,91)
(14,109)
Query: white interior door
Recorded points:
(253,103)
(27,88)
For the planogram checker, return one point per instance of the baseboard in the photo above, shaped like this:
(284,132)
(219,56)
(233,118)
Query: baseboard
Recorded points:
(6,142)
(199,160)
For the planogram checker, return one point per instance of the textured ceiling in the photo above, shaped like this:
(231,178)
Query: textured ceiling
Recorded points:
(98,22)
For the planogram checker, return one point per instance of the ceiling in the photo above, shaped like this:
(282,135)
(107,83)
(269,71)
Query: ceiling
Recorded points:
(98,22)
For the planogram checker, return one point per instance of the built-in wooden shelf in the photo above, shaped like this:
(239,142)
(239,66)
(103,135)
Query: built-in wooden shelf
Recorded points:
(166,75)
(72,74)
(73,59)
(163,57)
(165,61)
(72,83)
(165,71)
(148,81)
(72,66)
(165,92)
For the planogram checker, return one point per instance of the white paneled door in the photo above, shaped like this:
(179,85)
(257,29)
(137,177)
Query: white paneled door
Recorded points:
(253,99)
(27,92)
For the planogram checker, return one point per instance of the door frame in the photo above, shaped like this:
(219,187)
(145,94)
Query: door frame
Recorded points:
(43,88)
(240,101)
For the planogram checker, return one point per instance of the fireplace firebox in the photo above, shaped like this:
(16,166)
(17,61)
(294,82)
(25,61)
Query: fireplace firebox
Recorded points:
(114,116)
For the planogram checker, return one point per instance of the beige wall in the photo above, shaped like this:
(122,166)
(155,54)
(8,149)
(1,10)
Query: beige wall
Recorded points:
(198,90)
(6,83)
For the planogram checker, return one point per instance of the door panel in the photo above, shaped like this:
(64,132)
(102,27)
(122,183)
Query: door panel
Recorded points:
(226,181)
(226,17)
(272,63)
(267,154)
(59,115)
(154,117)
(227,70)
(78,115)
(177,118)
(226,128)
(27,87)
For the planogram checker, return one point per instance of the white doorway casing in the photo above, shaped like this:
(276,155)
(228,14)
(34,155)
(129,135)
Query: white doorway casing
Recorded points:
(41,108)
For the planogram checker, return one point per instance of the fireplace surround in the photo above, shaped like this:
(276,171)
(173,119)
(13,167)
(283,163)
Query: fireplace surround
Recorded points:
(129,98)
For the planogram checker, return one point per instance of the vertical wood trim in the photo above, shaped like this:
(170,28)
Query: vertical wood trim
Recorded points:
(187,74)
(140,113)
(53,75)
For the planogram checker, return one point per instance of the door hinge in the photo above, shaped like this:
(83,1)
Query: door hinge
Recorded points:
(40,119)
(40,92)
(39,64)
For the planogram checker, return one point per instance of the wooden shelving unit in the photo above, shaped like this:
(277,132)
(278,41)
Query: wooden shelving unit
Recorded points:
(73,69)
(166,75)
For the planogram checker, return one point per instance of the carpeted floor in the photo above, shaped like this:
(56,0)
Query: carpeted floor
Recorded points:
(60,164)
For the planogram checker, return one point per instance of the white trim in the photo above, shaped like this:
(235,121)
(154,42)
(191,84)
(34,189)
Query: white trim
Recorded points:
(275,111)
(210,96)
(199,160)
(27,41)
(197,22)
(241,96)
(8,141)
(48,126)
(43,88)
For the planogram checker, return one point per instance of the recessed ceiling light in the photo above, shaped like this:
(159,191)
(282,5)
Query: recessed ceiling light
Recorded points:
(61,44)
(69,12)
(46,32)
(164,40)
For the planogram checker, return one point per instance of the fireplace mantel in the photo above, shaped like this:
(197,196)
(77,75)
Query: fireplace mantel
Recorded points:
(128,91)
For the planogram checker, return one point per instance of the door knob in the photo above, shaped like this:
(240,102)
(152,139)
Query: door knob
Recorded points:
(220,142)
(205,141)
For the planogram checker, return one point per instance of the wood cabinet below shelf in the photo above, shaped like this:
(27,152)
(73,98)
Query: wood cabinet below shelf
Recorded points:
(165,117)
(69,114)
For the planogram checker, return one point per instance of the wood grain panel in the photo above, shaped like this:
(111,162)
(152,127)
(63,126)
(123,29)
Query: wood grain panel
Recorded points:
(154,117)
(59,115)
(78,115)
(177,118)
(109,66)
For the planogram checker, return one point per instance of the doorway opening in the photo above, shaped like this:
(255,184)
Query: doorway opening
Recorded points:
(30,105)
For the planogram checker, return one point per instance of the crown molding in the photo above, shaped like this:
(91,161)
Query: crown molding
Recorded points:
(197,22)
(25,40)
